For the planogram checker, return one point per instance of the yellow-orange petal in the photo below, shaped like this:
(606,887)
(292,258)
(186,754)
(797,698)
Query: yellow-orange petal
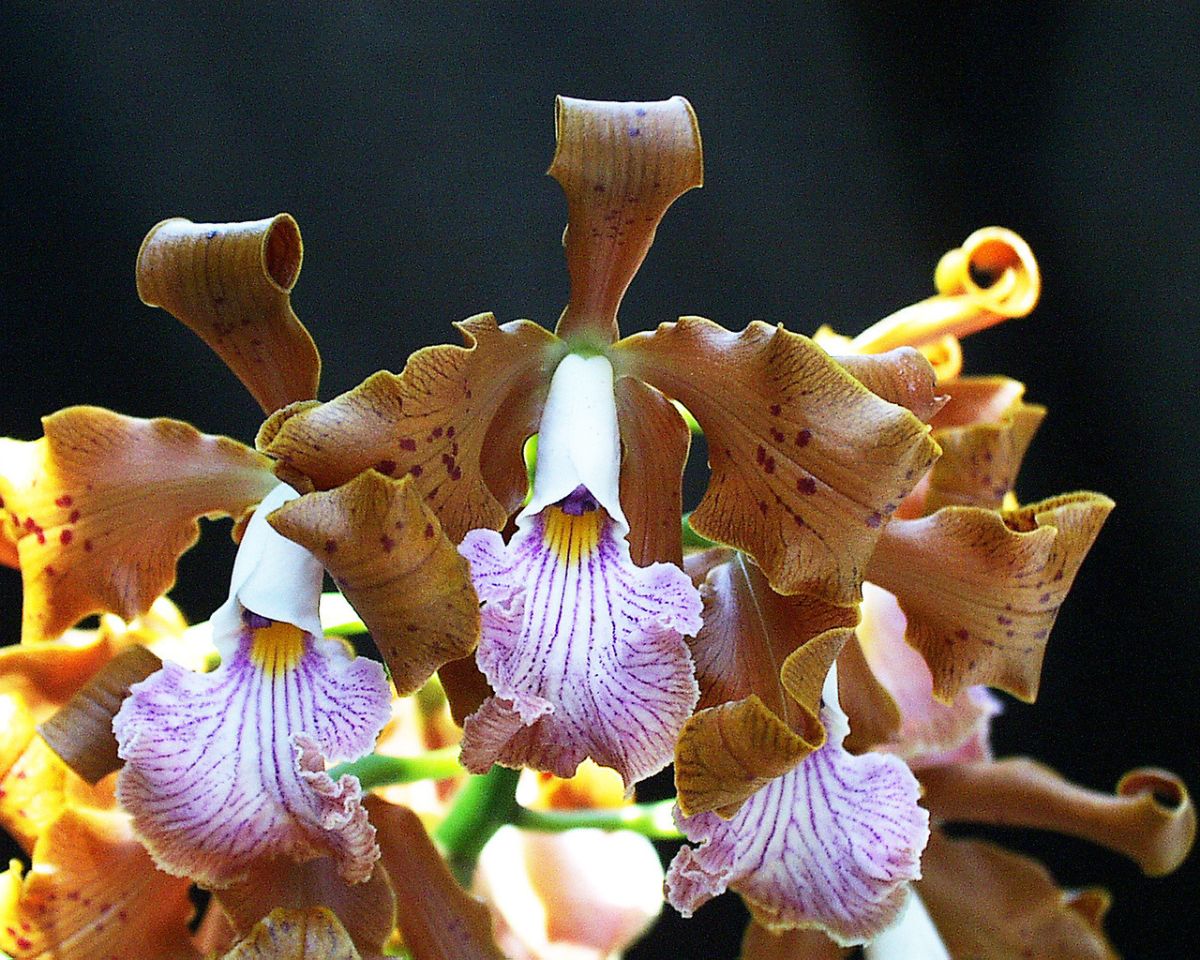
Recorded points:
(654,449)
(762,943)
(93,892)
(367,911)
(311,934)
(876,715)
(984,430)
(807,463)
(438,919)
(981,589)
(389,557)
(231,284)
(993,276)
(989,902)
(113,504)
(621,166)
(455,420)
(1149,819)
(81,731)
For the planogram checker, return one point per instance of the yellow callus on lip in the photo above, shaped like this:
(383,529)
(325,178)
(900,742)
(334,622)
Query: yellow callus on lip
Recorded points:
(277,648)
(572,537)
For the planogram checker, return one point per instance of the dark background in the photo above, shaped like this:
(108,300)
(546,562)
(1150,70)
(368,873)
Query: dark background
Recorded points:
(846,147)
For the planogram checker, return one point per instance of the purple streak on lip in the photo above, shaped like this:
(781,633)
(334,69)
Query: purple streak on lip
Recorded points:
(578,502)
(255,621)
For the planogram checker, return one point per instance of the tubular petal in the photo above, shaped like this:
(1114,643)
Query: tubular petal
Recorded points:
(230,284)
(981,589)
(988,902)
(830,844)
(434,421)
(621,166)
(1150,819)
(225,768)
(583,649)
(93,892)
(388,555)
(807,463)
(311,934)
(112,504)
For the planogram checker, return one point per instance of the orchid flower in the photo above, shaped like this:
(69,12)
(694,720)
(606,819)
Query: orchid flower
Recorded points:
(582,636)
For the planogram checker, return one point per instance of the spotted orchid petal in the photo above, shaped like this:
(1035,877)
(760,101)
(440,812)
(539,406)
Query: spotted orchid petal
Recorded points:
(231,284)
(621,166)
(93,892)
(583,649)
(455,420)
(807,463)
(990,902)
(228,767)
(982,588)
(105,505)
(831,844)
(930,731)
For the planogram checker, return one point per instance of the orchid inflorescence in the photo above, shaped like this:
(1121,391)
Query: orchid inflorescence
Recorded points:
(818,662)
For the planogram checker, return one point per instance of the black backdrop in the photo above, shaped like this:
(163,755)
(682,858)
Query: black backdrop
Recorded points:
(846,147)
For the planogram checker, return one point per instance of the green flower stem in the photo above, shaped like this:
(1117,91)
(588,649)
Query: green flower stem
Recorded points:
(482,807)
(651,820)
(376,770)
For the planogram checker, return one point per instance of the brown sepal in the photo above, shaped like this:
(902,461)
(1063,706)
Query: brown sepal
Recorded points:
(901,376)
(621,166)
(761,943)
(388,555)
(230,284)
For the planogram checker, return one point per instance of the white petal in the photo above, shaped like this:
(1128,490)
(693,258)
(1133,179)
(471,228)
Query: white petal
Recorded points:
(913,935)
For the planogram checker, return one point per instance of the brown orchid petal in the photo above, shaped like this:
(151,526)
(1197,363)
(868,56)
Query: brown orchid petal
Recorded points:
(621,166)
(875,717)
(114,504)
(465,685)
(230,284)
(761,943)
(438,919)
(1150,819)
(748,634)
(769,656)
(989,902)
(388,555)
(654,449)
(902,376)
(81,732)
(455,420)
(993,276)
(93,892)
(312,934)
(981,589)
(984,431)
(807,464)
(728,752)
(367,911)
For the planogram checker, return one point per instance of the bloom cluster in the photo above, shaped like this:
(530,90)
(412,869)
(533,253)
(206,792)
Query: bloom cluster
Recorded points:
(814,647)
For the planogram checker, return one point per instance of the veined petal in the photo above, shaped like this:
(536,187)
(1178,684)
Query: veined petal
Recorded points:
(990,902)
(930,731)
(621,166)
(1150,819)
(225,768)
(230,284)
(434,422)
(93,892)
(111,504)
(807,463)
(981,589)
(831,844)
(901,376)
(584,650)
(387,553)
